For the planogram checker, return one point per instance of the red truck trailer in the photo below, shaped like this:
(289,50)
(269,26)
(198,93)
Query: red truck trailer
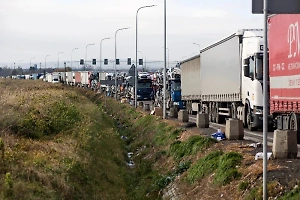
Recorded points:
(284,70)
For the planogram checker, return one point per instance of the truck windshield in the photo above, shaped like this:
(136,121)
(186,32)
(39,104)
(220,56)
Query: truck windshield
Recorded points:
(259,68)
(176,86)
(144,85)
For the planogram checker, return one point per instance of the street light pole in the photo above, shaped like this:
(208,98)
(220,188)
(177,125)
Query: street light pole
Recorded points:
(265,101)
(20,63)
(136,50)
(30,61)
(86,54)
(165,57)
(58,58)
(72,57)
(45,60)
(116,59)
(101,53)
(168,58)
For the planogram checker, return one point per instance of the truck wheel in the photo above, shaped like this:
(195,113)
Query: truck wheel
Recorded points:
(249,120)
(210,113)
(219,118)
(214,113)
(233,111)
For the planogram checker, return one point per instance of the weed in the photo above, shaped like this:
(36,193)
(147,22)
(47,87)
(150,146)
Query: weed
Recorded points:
(255,193)
(8,186)
(227,168)
(292,195)
(243,185)
(204,166)
(59,117)
(191,146)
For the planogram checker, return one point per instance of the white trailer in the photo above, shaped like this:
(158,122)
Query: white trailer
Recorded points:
(63,76)
(49,77)
(231,83)
(70,78)
(190,82)
(85,78)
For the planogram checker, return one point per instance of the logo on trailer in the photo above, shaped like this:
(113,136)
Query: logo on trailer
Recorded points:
(293,40)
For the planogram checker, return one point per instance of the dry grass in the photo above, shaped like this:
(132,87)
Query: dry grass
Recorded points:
(65,165)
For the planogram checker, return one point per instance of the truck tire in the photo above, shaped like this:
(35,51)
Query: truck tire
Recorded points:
(217,116)
(210,112)
(213,112)
(249,120)
(233,111)
(294,125)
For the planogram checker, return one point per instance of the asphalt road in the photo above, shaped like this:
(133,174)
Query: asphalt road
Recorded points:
(256,136)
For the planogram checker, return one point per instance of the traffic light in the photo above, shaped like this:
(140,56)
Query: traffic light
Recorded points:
(94,62)
(105,61)
(81,62)
(140,61)
(128,61)
(117,61)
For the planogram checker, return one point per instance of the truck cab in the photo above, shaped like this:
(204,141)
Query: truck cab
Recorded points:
(252,79)
(174,89)
(144,89)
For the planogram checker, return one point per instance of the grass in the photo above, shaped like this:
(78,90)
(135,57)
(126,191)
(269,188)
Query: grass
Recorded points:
(59,142)
(294,194)
(57,145)
(194,144)
(223,164)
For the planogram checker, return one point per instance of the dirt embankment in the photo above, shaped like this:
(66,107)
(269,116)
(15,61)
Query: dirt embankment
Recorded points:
(51,153)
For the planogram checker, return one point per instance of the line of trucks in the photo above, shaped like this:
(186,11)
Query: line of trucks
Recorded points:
(226,79)
(149,87)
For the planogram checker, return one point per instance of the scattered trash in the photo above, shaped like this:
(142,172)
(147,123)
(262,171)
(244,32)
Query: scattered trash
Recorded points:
(219,135)
(260,155)
(130,164)
(221,195)
(123,137)
(255,145)
(289,161)
(129,154)
(152,112)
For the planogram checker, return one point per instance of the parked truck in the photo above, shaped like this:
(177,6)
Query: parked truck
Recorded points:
(284,71)
(229,79)
(174,89)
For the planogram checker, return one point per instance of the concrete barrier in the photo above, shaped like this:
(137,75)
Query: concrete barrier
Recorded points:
(183,116)
(140,103)
(285,144)
(202,120)
(234,129)
(173,113)
(146,107)
(158,111)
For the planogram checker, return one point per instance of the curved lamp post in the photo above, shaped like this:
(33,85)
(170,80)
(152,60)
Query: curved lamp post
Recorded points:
(86,54)
(116,58)
(101,52)
(136,50)
(71,57)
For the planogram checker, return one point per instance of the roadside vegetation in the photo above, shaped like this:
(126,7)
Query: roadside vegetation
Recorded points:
(60,142)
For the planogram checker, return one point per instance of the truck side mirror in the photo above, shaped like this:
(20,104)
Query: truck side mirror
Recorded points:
(246,71)
(246,67)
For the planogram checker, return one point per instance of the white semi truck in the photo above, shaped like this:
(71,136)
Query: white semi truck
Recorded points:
(228,81)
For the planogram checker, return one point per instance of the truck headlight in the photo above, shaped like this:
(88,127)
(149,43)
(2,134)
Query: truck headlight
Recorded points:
(176,103)
(138,96)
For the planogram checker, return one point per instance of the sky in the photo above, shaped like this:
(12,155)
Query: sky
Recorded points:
(32,29)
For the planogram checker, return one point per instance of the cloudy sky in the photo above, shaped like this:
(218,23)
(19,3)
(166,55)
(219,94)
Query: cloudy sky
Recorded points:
(36,28)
